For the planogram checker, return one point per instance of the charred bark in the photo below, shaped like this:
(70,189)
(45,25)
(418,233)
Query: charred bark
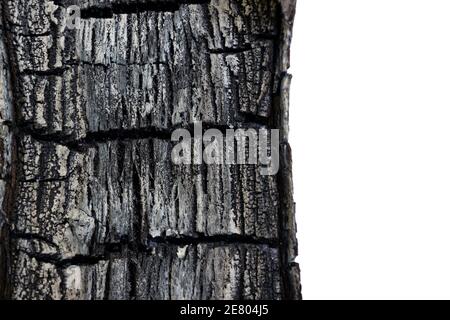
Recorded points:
(92,205)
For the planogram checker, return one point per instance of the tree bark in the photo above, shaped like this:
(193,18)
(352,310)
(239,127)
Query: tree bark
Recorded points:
(92,205)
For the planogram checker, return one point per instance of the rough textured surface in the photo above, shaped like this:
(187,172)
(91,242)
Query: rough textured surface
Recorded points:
(92,205)
(208,62)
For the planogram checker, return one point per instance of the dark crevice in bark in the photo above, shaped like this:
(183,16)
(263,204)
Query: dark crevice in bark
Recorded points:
(45,73)
(134,134)
(100,136)
(219,240)
(97,12)
(130,246)
(226,51)
(107,12)
(254,118)
(52,138)
(76,63)
(55,260)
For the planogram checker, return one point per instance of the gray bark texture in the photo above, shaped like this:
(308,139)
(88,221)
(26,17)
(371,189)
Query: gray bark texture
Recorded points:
(92,206)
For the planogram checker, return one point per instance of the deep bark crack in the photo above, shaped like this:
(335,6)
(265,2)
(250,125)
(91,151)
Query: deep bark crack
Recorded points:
(108,12)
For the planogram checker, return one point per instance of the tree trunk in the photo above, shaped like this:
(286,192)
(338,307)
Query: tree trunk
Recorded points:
(92,205)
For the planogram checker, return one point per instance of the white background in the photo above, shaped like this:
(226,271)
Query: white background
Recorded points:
(370,131)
